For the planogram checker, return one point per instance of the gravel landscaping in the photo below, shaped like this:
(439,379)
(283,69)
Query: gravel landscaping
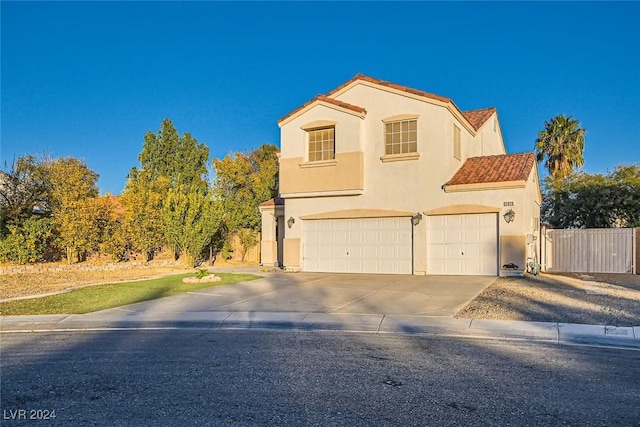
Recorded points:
(600,299)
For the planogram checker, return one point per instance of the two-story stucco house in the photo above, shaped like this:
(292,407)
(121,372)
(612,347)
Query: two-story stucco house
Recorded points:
(381,178)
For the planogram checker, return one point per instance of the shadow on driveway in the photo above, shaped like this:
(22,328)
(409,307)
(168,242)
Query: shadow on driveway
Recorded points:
(326,293)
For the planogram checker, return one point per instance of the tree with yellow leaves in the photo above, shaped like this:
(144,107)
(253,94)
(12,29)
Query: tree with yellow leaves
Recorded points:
(70,201)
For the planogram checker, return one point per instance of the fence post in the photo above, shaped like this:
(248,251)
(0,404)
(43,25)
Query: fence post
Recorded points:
(636,250)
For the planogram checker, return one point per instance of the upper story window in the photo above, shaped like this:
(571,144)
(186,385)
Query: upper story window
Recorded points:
(457,149)
(322,144)
(401,137)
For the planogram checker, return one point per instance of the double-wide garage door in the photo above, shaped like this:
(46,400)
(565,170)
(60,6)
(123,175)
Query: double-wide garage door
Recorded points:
(358,245)
(463,244)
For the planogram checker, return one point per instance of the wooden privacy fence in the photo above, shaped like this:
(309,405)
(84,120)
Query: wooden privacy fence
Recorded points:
(594,250)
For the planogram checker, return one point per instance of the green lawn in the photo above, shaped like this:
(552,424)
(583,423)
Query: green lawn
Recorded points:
(94,298)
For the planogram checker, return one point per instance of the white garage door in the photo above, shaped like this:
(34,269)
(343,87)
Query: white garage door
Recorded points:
(463,244)
(357,245)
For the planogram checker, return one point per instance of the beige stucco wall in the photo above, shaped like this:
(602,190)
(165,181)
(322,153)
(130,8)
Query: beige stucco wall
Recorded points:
(269,242)
(268,252)
(292,254)
(294,137)
(488,139)
(268,223)
(343,175)
(513,249)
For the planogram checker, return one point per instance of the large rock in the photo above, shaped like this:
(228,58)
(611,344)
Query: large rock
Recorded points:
(206,279)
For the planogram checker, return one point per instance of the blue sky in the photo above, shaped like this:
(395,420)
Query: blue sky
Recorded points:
(89,79)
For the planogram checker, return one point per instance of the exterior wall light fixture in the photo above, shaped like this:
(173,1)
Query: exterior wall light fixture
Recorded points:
(290,221)
(415,219)
(509,216)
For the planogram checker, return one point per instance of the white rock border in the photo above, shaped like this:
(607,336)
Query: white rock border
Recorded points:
(206,279)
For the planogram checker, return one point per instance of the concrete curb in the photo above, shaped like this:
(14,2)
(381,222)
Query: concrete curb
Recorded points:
(560,333)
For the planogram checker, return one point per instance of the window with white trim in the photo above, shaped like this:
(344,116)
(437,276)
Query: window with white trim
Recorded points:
(401,137)
(321,144)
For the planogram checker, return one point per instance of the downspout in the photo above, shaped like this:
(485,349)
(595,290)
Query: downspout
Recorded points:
(413,255)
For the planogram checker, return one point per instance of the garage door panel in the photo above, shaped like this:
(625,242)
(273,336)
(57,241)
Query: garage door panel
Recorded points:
(371,237)
(472,251)
(463,244)
(339,238)
(471,235)
(388,237)
(362,245)
(372,252)
(389,252)
(404,253)
(437,236)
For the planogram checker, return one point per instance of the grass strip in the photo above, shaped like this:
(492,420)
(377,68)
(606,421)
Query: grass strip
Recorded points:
(101,297)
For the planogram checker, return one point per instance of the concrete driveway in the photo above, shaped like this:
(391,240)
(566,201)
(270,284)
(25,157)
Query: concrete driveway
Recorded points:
(326,293)
(330,302)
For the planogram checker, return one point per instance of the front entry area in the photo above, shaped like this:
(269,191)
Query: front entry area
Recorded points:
(463,244)
(358,245)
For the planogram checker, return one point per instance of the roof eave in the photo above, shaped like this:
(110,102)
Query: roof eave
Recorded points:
(318,102)
(483,186)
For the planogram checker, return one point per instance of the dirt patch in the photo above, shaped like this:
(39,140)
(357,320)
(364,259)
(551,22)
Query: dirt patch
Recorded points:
(601,299)
(25,284)
(34,284)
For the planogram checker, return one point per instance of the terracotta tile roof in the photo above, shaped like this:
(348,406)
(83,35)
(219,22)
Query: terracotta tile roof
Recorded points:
(499,168)
(360,76)
(478,117)
(325,98)
(276,201)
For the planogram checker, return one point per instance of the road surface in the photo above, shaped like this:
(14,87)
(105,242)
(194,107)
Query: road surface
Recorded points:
(187,377)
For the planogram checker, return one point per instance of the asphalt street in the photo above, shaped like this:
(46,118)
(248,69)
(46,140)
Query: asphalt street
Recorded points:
(247,377)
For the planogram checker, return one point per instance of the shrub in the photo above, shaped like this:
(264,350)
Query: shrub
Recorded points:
(28,241)
(203,272)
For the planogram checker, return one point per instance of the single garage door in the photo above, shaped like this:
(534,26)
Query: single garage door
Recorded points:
(357,245)
(463,244)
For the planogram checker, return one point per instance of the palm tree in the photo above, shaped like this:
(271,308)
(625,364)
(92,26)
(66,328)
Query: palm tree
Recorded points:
(561,143)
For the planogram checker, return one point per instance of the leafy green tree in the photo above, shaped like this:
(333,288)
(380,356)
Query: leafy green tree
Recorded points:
(23,187)
(142,219)
(561,143)
(243,182)
(581,200)
(169,163)
(191,217)
(248,239)
(181,159)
